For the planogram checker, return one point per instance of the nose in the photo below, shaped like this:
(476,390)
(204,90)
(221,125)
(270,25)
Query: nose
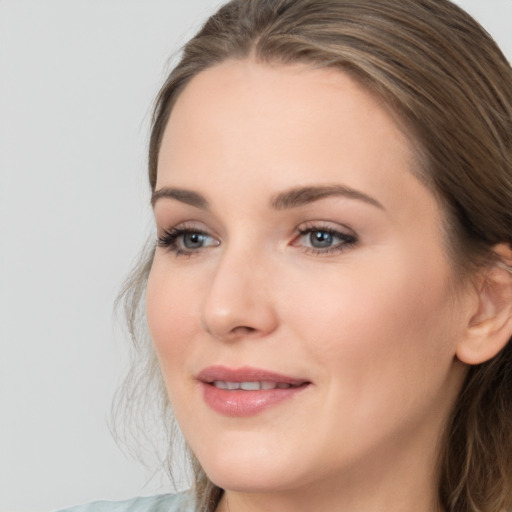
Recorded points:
(239,300)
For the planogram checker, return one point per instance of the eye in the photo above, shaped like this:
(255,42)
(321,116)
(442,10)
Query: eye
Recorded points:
(321,239)
(194,240)
(186,241)
(324,240)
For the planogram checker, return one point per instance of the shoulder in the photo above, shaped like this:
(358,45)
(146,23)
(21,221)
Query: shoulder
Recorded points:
(163,503)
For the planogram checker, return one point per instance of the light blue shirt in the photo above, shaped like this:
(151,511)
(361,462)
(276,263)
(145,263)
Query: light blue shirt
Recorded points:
(163,503)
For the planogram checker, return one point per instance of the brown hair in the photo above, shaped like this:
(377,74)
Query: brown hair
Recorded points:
(451,88)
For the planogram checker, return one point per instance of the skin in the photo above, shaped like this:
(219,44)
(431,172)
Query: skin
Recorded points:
(373,325)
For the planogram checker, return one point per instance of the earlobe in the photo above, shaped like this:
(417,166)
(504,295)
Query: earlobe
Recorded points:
(490,327)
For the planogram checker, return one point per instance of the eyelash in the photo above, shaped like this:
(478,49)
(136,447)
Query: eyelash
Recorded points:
(348,240)
(168,239)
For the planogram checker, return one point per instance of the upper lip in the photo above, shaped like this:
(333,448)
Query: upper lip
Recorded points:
(245,374)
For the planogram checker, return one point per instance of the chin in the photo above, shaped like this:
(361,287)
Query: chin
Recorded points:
(251,483)
(252,473)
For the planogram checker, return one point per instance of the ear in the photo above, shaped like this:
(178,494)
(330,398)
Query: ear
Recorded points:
(490,327)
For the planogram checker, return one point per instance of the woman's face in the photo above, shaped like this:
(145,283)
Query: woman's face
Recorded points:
(298,253)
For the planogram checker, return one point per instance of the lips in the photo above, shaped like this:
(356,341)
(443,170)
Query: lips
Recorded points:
(246,391)
(250,385)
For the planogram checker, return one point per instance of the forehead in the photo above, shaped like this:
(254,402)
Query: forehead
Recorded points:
(251,113)
(267,128)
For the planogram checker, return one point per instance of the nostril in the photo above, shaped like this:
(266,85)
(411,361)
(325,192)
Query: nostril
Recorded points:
(247,328)
(243,329)
(240,332)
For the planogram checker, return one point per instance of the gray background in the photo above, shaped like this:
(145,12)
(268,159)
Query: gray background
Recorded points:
(77,78)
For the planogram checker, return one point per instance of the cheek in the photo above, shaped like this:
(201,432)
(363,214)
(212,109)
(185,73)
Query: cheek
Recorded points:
(171,315)
(383,346)
(377,322)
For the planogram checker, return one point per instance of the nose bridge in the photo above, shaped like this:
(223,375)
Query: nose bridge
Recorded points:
(238,300)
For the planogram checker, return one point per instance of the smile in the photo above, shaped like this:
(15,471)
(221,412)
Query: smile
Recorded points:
(246,391)
(251,386)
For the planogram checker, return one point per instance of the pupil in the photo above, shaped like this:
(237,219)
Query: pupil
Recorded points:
(193,240)
(320,239)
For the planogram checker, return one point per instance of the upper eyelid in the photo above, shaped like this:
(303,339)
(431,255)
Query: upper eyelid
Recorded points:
(327,226)
(187,225)
(340,233)
(305,226)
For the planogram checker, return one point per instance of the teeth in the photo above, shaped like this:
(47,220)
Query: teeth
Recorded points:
(226,385)
(250,386)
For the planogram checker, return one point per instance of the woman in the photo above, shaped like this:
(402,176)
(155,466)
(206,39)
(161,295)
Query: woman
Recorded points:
(330,295)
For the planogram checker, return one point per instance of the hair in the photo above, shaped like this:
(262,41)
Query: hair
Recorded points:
(450,87)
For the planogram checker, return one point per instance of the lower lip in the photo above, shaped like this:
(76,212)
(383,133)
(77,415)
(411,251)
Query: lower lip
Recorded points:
(241,403)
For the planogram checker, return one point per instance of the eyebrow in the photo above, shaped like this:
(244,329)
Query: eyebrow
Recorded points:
(301,196)
(292,198)
(185,196)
